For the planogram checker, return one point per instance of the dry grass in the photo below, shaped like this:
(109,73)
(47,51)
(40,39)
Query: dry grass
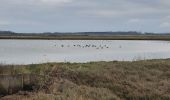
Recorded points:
(139,80)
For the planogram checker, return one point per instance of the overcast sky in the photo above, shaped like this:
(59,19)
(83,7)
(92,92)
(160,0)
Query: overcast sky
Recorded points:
(85,15)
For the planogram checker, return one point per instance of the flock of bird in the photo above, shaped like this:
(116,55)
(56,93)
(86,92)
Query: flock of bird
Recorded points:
(86,46)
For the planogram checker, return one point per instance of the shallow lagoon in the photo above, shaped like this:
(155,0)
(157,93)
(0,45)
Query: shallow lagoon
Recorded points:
(42,51)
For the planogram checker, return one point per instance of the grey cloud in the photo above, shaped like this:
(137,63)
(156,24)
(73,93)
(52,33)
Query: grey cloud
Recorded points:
(84,15)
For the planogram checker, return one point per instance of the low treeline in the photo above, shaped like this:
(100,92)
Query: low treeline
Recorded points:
(86,36)
(137,80)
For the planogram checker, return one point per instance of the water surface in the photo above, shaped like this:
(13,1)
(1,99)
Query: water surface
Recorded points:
(42,51)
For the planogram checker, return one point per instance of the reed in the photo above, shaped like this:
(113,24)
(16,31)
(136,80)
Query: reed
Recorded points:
(137,80)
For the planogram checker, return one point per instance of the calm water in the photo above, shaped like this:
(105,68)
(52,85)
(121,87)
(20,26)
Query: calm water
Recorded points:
(42,51)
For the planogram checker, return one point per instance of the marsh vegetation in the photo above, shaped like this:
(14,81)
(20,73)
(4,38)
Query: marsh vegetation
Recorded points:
(138,80)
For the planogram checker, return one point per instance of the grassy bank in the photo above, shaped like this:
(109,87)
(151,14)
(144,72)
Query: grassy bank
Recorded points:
(138,80)
(82,37)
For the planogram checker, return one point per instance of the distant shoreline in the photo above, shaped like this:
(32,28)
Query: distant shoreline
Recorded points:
(95,37)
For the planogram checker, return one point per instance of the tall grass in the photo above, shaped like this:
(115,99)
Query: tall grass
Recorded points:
(137,80)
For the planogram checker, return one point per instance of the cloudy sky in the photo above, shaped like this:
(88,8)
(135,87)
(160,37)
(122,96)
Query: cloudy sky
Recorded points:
(85,15)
